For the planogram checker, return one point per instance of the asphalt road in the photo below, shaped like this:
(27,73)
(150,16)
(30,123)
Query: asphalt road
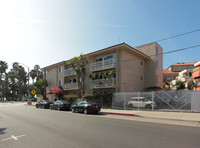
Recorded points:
(27,127)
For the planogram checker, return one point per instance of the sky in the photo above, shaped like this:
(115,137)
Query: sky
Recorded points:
(46,32)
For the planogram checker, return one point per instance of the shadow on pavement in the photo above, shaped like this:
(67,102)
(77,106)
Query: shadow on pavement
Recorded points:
(2,130)
(99,114)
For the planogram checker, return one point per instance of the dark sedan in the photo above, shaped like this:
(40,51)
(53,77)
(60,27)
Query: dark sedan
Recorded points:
(60,105)
(86,107)
(43,104)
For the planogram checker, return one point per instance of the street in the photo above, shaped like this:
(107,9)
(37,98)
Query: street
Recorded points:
(27,127)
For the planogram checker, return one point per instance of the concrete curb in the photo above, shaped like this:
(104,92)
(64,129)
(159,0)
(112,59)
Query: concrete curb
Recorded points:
(122,114)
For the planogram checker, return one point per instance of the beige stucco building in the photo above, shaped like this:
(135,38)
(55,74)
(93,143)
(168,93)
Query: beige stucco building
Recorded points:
(119,68)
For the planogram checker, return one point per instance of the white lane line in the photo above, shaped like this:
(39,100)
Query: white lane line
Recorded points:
(15,138)
(6,139)
(20,136)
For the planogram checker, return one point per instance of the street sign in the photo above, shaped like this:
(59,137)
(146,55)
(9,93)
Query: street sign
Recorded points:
(33,92)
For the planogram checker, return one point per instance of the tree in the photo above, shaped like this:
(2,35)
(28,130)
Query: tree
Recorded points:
(191,85)
(3,67)
(180,85)
(166,85)
(21,77)
(39,74)
(60,93)
(41,86)
(78,64)
(33,74)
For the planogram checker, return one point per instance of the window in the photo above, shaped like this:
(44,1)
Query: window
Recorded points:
(169,78)
(156,64)
(108,57)
(60,82)
(142,63)
(156,50)
(60,69)
(99,60)
(141,77)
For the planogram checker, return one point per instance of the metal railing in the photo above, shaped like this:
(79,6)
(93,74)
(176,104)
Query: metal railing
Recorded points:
(111,63)
(103,83)
(69,72)
(70,86)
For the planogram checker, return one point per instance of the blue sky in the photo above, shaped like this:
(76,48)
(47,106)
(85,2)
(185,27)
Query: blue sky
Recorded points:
(45,32)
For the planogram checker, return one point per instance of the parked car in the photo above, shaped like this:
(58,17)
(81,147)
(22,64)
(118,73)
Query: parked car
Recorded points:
(43,104)
(86,107)
(141,102)
(31,99)
(60,105)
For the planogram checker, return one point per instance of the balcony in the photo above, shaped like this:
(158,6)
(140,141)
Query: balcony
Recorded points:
(69,72)
(70,86)
(106,64)
(103,83)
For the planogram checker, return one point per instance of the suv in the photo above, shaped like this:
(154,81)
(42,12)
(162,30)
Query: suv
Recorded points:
(141,102)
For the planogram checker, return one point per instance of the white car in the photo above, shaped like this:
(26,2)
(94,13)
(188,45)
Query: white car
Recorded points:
(141,102)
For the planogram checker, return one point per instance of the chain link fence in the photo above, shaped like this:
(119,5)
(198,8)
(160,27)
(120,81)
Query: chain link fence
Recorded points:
(160,100)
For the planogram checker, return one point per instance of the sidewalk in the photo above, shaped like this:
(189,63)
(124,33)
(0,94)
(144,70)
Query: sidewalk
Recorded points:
(181,116)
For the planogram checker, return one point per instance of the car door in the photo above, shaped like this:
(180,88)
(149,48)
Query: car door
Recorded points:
(40,104)
(78,106)
(56,104)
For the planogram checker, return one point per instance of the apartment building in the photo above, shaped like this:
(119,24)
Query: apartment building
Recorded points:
(172,71)
(119,68)
(196,75)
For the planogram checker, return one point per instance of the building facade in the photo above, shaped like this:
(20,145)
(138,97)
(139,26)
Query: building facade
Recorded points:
(172,71)
(119,68)
(196,75)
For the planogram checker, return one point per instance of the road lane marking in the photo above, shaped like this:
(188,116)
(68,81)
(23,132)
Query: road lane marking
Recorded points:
(13,137)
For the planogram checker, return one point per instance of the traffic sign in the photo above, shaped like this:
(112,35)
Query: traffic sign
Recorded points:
(33,92)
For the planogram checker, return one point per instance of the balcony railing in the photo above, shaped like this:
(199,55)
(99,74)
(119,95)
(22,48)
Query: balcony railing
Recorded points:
(70,86)
(101,83)
(111,63)
(69,72)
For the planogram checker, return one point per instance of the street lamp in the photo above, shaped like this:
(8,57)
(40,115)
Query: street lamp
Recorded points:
(28,79)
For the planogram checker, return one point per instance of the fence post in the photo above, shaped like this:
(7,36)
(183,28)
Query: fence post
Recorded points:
(138,100)
(124,100)
(153,100)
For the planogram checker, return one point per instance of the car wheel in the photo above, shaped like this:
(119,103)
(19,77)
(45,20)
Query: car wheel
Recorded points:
(36,106)
(73,110)
(85,111)
(130,106)
(148,106)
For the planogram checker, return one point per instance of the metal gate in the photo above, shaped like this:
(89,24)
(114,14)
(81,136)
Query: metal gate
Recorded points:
(161,100)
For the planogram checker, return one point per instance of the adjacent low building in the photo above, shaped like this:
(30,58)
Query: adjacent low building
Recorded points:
(172,71)
(129,69)
(196,75)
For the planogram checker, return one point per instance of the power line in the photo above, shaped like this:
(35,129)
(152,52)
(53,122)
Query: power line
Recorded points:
(177,50)
(178,35)
(175,36)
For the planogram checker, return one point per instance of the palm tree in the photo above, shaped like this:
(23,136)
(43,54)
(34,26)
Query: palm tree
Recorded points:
(3,67)
(33,74)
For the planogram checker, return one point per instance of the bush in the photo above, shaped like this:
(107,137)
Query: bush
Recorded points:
(71,98)
(102,98)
